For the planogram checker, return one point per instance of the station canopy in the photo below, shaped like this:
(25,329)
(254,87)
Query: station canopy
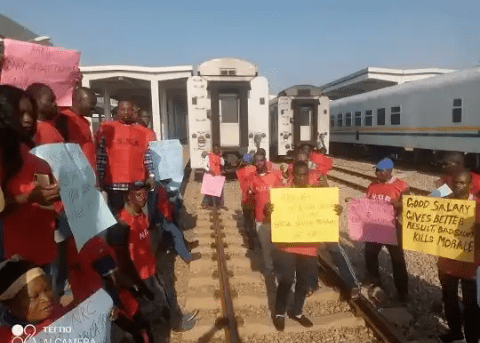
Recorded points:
(372,78)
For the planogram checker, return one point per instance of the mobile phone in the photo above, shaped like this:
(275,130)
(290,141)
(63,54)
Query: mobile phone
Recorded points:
(42,180)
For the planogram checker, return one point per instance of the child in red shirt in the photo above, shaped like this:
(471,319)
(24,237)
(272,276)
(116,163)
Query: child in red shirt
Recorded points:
(213,164)
(391,190)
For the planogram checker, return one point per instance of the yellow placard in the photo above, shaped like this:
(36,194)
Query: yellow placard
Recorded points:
(441,227)
(304,215)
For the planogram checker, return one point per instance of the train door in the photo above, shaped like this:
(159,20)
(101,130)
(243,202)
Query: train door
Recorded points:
(229,109)
(305,121)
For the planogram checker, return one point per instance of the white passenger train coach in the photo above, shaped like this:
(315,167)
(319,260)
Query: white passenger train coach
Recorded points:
(299,115)
(424,117)
(228,107)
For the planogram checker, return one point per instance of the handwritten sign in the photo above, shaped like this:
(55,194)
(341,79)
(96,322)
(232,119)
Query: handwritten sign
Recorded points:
(88,322)
(372,221)
(27,63)
(167,158)
(304,215)
(442,227)
(86,210)
(212,185)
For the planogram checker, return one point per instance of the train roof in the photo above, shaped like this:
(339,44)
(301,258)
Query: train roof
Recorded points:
(231,68)
(373,78)
(414,86)
(301,90)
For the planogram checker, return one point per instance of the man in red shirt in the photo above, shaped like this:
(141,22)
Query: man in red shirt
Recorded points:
(73,125)
(450,164)
(322,163)
(296,263)
(452,272)
(123,156)
(259,188)
(391,190)
(138,263)
(244,173)
(46,111)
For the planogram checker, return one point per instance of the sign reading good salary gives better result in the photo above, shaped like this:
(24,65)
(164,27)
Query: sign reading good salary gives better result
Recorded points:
(304,215)
(442,227)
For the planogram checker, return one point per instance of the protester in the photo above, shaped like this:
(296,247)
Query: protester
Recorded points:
(269,163)
(391,190)
(245,172)
(213,164)
(259,189)
(451,162)
(123,156)
(26,292)
(295,263)
(28,186)
(73,125)
(314,176)
(452,272)
(137,114)
(138,263)
(46,111)
(322,163)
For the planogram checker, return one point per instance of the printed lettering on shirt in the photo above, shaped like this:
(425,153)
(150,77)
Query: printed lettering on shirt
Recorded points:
(127,141)
(381,197)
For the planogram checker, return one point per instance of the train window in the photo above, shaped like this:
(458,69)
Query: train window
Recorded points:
(358,118)
(305,116)
(325,112)
(348,119)
(194,100)
(368,118)
(229,108)
(457,111)
(332,121)
(339,119)
(262,101)
(303,92)
(381,116)
(395,115)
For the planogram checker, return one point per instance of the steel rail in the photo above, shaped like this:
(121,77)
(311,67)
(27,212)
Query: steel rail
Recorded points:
(382,328)
(231,325)
(414,190)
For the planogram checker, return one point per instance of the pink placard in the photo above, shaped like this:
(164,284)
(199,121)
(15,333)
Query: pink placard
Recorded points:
(27,63)
(372,221)
(212,185)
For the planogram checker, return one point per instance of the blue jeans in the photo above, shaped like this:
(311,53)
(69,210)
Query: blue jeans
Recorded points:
(290,268)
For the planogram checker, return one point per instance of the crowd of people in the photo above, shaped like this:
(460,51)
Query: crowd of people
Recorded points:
(42,273)
(288,264)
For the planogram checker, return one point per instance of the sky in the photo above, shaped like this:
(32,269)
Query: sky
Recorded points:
(292,42)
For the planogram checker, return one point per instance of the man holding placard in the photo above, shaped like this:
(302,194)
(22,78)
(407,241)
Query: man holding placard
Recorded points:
(391,190)
(295,260)
(452,272)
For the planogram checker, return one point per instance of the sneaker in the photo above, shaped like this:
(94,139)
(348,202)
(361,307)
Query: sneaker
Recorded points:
(186,324)
(304,321)
(452,338)
(279,322)
(190,316)
(195,256)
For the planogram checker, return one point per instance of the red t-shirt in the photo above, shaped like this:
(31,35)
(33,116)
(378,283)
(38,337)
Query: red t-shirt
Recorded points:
(28,228)
(295,248)
(47,133)
(313,176)
(271,166)
(389,191)
(149,133)
(323,163)
(447,179)
(260,186)
(244,175)
(139,243)
(464,270)
(79,132)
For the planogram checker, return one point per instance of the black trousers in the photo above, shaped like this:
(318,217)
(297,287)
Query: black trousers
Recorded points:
(471,313)
(249,221)
(400,275)
(290,268)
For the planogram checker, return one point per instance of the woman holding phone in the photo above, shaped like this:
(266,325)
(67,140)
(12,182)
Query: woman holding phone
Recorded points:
(28,186)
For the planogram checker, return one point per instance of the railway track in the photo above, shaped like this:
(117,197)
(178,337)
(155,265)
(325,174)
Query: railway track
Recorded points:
(235,301)
(369,178)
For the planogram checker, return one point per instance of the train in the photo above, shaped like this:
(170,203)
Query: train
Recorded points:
(419,120)
(228,107)
(299,115)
